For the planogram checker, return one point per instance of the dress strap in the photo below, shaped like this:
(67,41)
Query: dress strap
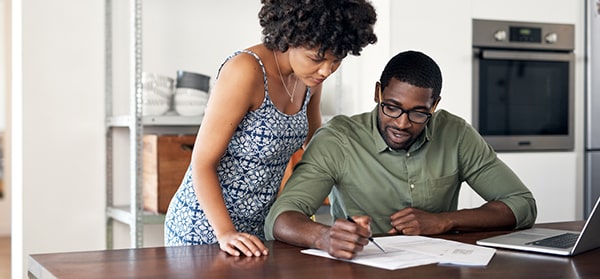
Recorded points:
(262,66)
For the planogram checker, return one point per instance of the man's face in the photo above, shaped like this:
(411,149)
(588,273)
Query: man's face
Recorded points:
(400,133)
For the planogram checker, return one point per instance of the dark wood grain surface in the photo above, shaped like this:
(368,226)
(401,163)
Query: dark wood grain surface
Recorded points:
(286,261)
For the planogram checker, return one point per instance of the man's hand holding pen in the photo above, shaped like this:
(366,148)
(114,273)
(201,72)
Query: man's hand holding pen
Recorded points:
(347,238)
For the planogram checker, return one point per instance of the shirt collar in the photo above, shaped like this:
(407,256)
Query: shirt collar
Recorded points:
(380,144)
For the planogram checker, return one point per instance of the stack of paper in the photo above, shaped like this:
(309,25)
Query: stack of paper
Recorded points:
(407,251)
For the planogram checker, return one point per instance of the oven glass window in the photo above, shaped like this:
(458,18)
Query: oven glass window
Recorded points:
(520,97)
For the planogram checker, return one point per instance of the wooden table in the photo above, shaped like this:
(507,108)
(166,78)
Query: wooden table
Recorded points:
(286,261)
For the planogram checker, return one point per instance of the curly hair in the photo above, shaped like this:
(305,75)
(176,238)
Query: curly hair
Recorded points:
(340,26)
(415,68)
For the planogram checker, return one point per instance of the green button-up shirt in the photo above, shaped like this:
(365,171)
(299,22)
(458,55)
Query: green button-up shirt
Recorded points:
(348,158)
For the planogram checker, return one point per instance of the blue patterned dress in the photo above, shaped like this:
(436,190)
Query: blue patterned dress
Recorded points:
(250,173)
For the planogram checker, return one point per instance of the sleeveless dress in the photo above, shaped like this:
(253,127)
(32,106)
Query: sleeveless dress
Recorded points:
(249,172)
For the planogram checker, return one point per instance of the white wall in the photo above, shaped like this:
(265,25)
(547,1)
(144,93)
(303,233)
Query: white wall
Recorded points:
(61,207)
(3,34)
(60,202)
(5,201)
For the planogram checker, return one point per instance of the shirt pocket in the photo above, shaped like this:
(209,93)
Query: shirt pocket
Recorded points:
(441,194)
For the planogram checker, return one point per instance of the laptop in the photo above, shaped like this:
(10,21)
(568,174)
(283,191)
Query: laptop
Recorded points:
(552,241)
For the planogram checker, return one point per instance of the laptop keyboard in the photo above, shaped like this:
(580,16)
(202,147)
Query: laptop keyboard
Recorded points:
(565,240)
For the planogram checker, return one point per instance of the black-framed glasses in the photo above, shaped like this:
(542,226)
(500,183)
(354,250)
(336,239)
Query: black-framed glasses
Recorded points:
(414,116)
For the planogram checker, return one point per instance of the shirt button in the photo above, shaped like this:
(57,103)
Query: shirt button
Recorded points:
(412,186)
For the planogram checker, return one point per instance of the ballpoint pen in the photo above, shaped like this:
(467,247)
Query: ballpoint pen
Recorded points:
(370,238)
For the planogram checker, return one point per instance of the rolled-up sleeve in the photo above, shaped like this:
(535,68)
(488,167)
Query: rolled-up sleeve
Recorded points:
(493,180)
(310,183)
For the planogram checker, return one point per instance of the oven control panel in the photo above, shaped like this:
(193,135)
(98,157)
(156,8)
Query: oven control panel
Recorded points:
(523,35)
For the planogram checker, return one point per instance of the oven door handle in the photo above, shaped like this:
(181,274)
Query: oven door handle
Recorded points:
(528,55)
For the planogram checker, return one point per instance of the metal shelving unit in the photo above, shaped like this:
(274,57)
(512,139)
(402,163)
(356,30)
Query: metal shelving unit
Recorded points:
(133,214)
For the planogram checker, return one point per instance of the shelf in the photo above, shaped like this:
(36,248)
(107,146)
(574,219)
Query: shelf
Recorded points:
(123,215)
(163,120)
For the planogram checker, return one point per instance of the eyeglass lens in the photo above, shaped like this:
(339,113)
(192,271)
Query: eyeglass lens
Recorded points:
(413,116)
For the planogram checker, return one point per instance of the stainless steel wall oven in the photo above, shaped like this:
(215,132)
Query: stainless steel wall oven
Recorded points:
(523,91)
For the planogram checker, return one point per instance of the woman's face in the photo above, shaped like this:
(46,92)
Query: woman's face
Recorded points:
(310,67)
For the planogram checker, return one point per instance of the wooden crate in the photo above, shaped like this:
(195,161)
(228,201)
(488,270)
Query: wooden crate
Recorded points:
(165,161)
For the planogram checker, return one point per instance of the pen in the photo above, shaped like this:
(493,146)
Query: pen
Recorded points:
(370,238)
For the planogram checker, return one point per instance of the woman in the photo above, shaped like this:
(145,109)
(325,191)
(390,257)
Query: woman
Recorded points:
(264,106)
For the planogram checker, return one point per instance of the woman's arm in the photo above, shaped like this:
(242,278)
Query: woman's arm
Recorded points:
(238,90)
(314,112)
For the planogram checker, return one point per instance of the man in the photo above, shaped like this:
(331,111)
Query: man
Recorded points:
(397,170)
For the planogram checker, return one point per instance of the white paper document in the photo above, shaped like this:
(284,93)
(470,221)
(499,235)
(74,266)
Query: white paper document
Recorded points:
(403,251)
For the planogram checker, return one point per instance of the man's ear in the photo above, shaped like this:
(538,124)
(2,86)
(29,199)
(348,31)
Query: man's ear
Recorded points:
(437,101)
(377,88)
